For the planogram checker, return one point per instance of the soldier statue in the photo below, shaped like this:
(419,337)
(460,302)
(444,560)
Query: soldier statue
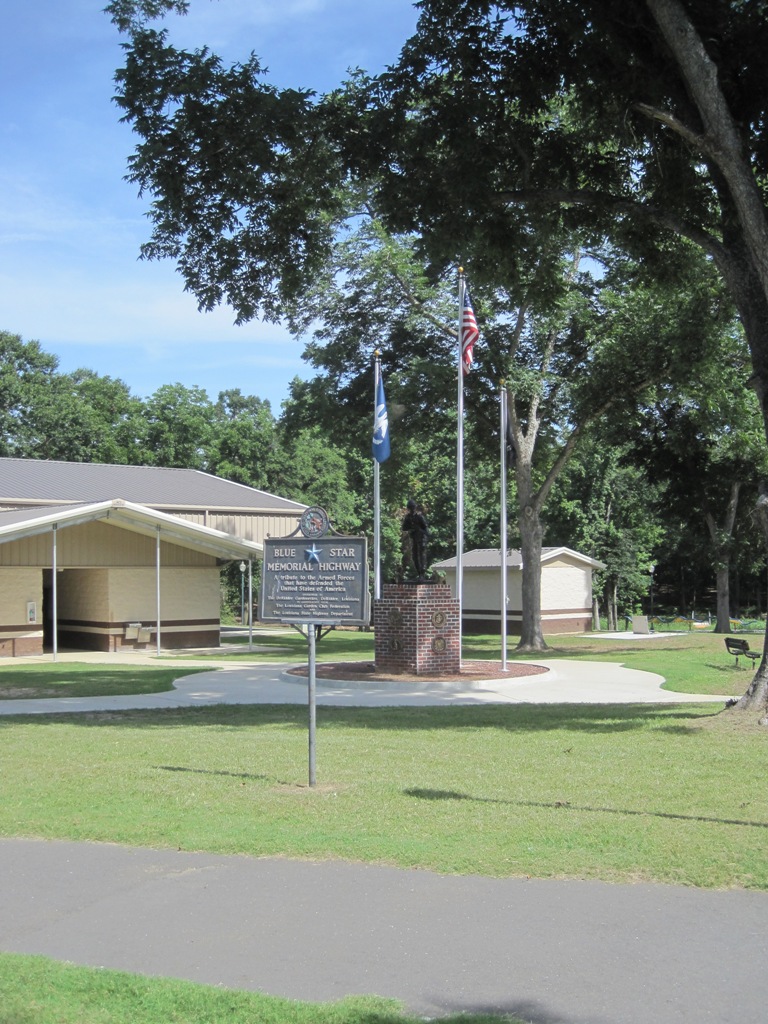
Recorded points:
(415,529)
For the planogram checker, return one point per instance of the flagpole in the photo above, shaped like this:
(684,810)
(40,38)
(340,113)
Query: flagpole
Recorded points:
(503,522)
(376,493)
(460,462)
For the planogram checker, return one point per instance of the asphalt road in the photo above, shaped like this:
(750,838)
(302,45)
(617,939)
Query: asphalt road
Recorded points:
(552,952)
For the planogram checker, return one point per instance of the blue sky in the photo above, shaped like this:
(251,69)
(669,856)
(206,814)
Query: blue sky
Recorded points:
(71,227)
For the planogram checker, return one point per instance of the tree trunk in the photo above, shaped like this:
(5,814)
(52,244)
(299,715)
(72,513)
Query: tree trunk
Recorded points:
(722,539)
(531,635)
(752,304)
(610,608)
(723,624)
(756,697)
(722,140)
(745,229)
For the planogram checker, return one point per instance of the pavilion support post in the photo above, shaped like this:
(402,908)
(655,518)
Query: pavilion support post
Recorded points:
(157,585)
(55,591)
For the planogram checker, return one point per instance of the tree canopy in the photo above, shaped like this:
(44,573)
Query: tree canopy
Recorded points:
(503,125)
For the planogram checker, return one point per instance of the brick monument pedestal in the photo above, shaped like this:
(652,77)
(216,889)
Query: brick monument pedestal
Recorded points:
(416,627)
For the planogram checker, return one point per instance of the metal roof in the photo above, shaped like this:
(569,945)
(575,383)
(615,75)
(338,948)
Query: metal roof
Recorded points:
(490,558)
(39,481)
(20,523)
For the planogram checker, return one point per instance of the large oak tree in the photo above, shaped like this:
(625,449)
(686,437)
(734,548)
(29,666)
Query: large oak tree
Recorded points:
(644,122)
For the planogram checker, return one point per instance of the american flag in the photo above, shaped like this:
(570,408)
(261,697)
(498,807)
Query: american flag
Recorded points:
(469,332)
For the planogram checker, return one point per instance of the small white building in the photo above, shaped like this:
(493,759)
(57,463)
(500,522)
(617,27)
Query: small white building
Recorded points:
(566,590)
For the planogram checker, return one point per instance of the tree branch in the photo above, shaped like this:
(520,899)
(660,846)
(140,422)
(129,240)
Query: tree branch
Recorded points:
(573,437)
(698,141)
(700,75)
(517,332)
(619,205)
(733,505)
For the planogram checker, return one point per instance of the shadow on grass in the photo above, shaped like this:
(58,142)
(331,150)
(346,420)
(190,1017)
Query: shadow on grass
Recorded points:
(210,771)
(601,653)
(748,670)
(517,1012)
(77,681)
(513,718)
(449,794)
(503,1015)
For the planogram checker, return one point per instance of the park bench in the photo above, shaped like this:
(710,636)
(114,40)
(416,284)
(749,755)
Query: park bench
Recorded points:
(740,649)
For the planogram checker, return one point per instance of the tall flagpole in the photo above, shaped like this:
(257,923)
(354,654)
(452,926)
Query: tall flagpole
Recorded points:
(380,449)
(503,521)
(376,492)
(460,461)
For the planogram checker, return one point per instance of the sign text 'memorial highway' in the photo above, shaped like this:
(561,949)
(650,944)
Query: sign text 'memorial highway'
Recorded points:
(320,579)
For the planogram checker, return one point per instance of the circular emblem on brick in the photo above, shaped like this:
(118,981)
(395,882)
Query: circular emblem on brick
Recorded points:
(395,617)
(438,620)
(395,645)
(439,645)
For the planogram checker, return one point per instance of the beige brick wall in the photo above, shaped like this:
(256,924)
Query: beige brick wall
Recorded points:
(128,594)
(565,586)
(82,594)
(482,588)
(17,586)
(185,593)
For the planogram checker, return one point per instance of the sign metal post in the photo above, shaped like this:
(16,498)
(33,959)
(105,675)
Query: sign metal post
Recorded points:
(315,581)
(312,702)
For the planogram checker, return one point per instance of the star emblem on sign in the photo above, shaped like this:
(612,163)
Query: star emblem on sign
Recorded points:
(312,554)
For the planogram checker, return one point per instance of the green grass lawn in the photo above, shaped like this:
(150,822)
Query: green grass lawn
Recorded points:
(290,645)
(663,793)
(19,681)
(35,990)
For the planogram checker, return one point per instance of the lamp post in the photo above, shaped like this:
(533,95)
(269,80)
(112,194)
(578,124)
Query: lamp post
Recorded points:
(243,567)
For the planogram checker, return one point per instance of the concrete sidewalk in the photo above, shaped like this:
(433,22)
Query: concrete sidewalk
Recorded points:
(549,951)
(566,682)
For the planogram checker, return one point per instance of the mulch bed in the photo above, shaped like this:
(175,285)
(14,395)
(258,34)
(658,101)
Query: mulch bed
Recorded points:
(470,671)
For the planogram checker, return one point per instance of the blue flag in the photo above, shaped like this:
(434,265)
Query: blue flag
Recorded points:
(380,447)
